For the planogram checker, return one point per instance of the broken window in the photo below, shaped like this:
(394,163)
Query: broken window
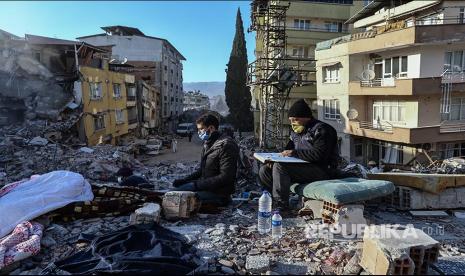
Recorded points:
(99,122)
(117,90)
(331,109)
(95,90)
(119,116)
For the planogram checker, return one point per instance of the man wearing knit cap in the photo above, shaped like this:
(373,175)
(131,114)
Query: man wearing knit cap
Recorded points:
(311,140)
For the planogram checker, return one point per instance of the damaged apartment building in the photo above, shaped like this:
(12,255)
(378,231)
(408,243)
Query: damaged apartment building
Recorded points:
(48,78)
(153,60)
(395,87)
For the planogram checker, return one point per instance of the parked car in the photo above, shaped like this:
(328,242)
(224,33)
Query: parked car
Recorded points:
(185,128)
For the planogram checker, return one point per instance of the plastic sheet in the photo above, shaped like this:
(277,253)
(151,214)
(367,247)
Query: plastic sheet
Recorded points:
(132,250)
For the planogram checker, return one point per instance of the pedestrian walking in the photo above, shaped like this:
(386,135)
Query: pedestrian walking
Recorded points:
(174,145)
(189,134)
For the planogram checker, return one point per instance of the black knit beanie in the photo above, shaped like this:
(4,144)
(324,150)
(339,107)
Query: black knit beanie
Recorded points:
(300,109)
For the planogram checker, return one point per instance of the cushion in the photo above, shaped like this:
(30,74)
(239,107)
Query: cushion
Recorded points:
(343,191)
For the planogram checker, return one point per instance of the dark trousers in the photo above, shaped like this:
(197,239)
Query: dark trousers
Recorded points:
(279,179)
(206,197)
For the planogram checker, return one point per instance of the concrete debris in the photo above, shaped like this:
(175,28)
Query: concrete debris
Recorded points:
(257,264)
(86,150)
(180,205)
(429,214)
(150,213)
(38,141)
(398,250)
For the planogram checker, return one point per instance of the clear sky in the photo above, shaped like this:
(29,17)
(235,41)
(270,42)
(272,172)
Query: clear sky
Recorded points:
(201,30)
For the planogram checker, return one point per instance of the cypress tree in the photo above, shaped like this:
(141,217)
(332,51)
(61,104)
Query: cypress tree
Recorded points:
(238,97)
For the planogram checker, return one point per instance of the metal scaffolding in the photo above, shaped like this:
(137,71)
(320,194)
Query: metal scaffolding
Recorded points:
(274,73)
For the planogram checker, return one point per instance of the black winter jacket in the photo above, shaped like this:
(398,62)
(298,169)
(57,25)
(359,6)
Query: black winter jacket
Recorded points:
(218,166)
(317,144)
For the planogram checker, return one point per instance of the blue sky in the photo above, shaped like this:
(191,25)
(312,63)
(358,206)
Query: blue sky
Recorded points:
(201,30)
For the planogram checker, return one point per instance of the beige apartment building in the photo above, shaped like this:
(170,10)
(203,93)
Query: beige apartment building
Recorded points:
(397,84)
(297,29)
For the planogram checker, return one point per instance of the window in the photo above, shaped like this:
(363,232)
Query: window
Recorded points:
(457,110)
(119,116)
(391,153)
(393,111)
(462,16)
(395,67)
(331,109)
(131,93)
(172,99)
(300,51)
(358,148)
(99,122)
(165,83)
(95,90)
(302,24)
(453,61)
(117,90)
(37,56)
(335,27)
(331,74)
(452,150)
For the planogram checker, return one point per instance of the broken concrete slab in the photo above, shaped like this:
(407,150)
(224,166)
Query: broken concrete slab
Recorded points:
(433,183)
(406,198)
(397,250)
(149,213)
(429,214)
(257,263)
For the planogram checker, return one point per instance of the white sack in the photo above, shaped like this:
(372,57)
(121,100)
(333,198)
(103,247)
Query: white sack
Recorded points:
(40,195)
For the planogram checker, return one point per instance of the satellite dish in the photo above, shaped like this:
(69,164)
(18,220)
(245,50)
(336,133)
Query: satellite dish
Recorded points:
(352,114)
(124,60)
(367,75)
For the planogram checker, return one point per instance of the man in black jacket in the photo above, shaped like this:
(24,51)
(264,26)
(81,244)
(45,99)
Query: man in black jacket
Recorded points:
(311,140)
(215,181)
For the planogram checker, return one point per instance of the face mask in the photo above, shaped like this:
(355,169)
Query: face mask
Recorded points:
(297,128)
(204,135)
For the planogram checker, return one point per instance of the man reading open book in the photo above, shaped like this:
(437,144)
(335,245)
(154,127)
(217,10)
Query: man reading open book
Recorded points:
(310,140)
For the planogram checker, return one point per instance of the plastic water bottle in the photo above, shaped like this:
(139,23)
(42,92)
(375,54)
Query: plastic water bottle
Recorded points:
(276,226)
(264,213)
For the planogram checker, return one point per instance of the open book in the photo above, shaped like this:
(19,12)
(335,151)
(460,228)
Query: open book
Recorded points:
(276,157)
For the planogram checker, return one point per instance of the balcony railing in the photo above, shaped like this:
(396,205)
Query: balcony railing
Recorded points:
(378,82)
(379,126)
(132,121)
(453,77)
(131,98)
(319,29)
(448,127)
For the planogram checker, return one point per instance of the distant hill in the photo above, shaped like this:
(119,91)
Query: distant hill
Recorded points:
(211,89)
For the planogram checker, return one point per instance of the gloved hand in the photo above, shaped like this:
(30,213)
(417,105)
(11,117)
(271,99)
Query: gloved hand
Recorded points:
(189,186)
(179,182)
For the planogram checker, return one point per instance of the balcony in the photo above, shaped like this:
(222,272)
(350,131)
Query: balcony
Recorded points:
(452,126)
(397,87)
(390,133)
(403,35)
(311,35)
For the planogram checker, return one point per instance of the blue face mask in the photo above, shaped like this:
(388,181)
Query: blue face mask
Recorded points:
(204,135)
